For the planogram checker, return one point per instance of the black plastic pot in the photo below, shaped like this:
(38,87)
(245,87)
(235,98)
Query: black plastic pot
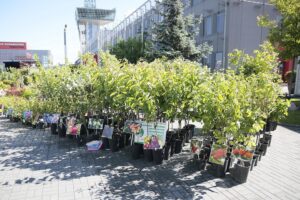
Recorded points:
(173,144)
(253,162)
(81,140)
(158,156)
(136,151)
(167,151)
(201,164)
(274,126)
(240,173)
(263,148)
(268,138)
(127,139)
(62,130)
(122,140)
(114,143)
(268,127)
(148,155)
(218,170)
(53,129)
(105,142)
(178,146)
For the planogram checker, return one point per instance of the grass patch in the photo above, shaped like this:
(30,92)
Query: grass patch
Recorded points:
(293,117)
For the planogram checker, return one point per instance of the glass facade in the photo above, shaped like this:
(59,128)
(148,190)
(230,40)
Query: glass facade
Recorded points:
(207,25)
(220,22)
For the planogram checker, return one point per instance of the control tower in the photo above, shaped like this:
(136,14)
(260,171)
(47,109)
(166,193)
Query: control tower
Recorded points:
(89,19)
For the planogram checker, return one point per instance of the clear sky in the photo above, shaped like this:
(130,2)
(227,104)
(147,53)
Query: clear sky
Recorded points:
(40,23)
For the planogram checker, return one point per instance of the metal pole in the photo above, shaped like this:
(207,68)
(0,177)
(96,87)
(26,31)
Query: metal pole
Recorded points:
(65,44)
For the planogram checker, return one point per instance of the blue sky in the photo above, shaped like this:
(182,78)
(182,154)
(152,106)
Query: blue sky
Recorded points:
(40,23)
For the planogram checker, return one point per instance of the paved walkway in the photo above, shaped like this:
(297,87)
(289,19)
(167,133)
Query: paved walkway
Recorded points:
(37,165)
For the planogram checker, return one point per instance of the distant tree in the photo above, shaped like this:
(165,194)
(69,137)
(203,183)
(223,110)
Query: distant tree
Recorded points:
(285,36)
(131,50)
(174,36)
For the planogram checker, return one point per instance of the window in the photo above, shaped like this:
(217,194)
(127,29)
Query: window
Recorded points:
(218,60)
(220,22)
(208,25)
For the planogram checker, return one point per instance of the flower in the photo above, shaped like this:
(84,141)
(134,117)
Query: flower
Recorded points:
(236,152)
(218,154)
(135,128)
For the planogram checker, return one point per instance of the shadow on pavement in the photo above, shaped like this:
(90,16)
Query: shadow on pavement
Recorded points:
(119,176)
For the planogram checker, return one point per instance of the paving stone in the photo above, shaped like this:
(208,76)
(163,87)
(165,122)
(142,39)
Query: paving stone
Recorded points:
(37,165)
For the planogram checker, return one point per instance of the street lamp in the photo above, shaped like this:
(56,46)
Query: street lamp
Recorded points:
(65,44)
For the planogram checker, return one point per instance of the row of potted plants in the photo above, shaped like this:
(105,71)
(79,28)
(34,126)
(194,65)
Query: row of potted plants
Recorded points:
(232,105)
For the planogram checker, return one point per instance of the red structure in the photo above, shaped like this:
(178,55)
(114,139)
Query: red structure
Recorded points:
(287,65)
(13,45)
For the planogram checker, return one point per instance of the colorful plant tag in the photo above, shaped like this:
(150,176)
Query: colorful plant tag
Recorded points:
(95,123)
(218,154)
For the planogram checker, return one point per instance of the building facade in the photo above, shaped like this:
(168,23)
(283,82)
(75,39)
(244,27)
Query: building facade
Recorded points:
(16,54)
(226,25)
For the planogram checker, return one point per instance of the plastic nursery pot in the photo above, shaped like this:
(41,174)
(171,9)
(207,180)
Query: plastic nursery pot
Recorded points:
(254,160)
(158,156)
(240,173)
(122,140)
(273,126)
(178,146)
(53,129)
(148,155)
(167,151)
(263,147)
(105,142)
(201,164)
(114,143)
(127,139)
(136,150)
(268,138)
(218,170)
(62,131)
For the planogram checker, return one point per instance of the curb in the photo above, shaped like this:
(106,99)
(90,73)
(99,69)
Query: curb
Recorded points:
(289,125)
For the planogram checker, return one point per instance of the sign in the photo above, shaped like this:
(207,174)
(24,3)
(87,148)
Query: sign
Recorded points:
(218,154)
(107,132)
(152,135)
(95,123)
(196,144)
(72,127)
(13,45)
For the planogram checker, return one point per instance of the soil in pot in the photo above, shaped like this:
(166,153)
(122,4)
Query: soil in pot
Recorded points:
(158,156)
(148,155)
(240,173)
(167,151)
(136,150)
(178,146)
